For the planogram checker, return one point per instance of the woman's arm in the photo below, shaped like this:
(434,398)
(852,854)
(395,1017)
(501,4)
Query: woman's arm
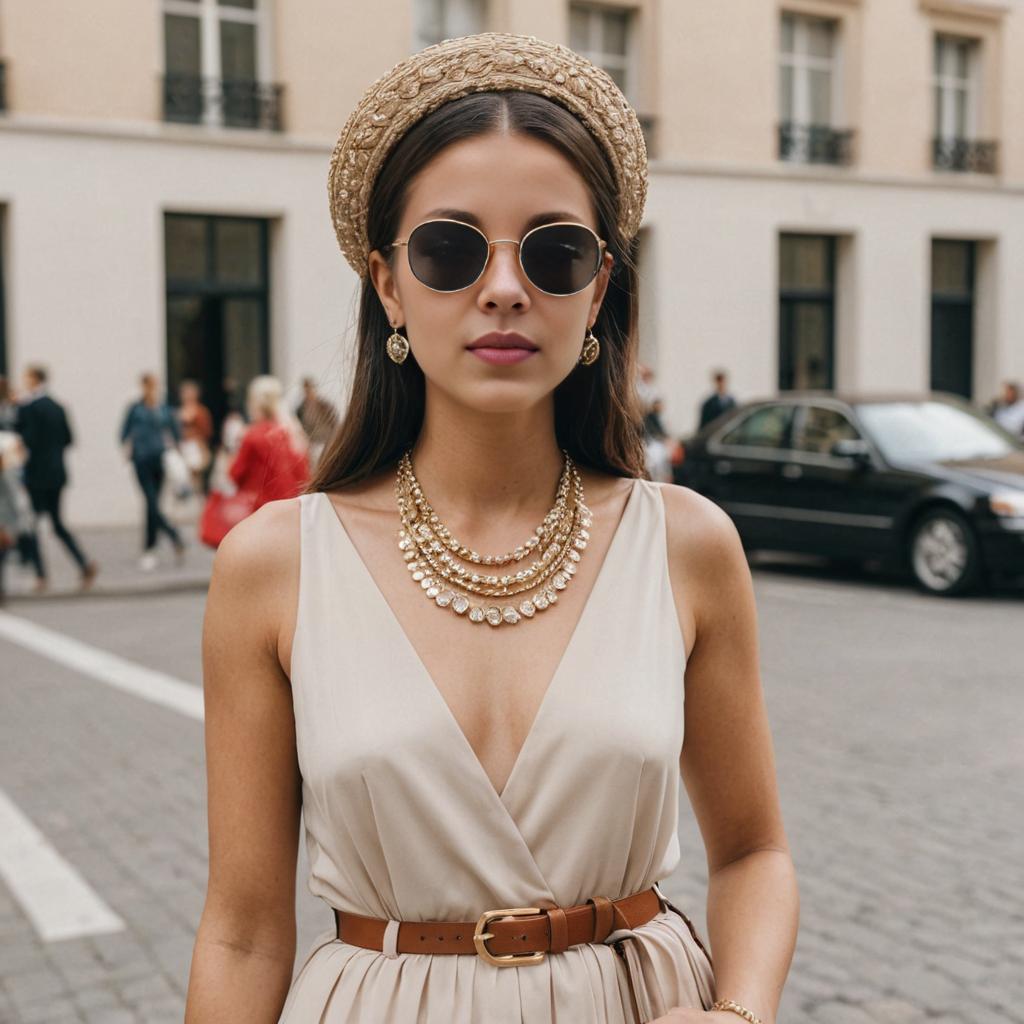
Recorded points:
(728,768)
(243,461)
(245,945)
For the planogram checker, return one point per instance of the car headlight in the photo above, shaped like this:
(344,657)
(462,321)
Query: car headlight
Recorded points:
(1007,503)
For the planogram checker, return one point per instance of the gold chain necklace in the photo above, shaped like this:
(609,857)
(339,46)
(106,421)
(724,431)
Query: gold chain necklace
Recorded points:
(427,545)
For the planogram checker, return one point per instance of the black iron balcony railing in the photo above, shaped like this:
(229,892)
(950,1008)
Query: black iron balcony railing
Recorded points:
(965,155)
(3,86)
(234,103)
(814,144)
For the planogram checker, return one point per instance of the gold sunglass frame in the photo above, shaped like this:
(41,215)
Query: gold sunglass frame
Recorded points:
(602,247)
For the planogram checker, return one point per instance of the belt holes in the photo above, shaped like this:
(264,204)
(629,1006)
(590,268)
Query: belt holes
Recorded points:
(458,937)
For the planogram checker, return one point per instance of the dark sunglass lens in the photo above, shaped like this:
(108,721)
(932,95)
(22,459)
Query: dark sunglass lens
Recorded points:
(446,256)
(561,258)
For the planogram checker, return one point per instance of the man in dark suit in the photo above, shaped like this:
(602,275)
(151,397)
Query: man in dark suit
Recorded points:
(717,402)
(45,431)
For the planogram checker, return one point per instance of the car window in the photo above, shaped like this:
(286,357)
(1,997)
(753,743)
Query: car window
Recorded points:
(765,427)
(820,427)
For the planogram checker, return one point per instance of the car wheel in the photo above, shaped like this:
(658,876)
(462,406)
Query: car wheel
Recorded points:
(944,554)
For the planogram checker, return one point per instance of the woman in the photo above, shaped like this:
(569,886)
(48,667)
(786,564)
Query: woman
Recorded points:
(272,459)
(490,748)
(148,428)
(196,425)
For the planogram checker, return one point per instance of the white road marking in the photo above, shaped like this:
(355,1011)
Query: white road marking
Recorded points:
(56,899)
(104,667)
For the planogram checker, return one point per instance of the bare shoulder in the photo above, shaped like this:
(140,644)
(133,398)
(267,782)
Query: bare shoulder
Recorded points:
(705,552)
(256,573)
(263,544)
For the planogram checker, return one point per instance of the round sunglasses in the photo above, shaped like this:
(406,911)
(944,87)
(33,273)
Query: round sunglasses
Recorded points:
(450,255)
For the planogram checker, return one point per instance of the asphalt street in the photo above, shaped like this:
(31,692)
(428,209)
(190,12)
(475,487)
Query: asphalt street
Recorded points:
(896,720)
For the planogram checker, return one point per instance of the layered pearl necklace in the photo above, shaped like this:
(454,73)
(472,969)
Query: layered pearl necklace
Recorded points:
(428,546)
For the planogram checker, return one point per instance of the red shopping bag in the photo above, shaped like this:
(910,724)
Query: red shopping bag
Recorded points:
(221,512)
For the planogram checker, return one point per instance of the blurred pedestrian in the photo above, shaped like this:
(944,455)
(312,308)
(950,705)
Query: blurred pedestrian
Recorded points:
(8,405)
(318,418)
(718,401)
(195,422)
(273,458)
(8,519)
(1008,409)
(147,431)
(45,432)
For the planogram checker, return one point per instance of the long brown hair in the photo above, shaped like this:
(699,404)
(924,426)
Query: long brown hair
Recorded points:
(598,419)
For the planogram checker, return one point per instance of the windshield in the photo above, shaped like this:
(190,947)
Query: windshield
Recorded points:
(933,432)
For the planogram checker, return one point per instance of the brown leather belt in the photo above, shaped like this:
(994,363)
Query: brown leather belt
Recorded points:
(506,938)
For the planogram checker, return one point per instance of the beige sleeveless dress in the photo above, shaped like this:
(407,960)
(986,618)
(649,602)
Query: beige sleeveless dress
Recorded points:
(402,822)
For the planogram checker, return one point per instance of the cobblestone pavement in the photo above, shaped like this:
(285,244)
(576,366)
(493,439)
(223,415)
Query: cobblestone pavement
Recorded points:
(897,730)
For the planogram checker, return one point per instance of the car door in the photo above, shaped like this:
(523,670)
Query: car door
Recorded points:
(745,458)
(845,504)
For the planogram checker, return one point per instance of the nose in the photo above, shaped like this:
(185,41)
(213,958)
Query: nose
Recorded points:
(503,284)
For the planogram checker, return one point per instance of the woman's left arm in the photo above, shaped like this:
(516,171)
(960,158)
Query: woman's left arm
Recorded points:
(727,765)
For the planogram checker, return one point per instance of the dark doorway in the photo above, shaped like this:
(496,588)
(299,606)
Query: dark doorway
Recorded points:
(217,307)
(806,311)
(952,356)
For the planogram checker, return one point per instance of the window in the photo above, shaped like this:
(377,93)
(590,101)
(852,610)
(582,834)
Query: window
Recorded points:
(820,427)
(216,64)
(957,64)
(766,427)
(806,311)
(604,36)
(217,305)
(808,88)
(952,348)
(448,19)
(3,337)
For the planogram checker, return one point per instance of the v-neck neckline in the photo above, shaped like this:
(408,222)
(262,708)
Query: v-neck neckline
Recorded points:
(560,666)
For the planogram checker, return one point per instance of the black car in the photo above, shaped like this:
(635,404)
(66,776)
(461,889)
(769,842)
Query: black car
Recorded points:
(927,482)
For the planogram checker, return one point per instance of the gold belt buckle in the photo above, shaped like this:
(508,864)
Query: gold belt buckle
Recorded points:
(480,938)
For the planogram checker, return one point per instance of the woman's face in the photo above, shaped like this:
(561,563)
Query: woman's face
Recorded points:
(503,181)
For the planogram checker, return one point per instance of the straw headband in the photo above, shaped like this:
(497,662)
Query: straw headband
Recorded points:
(487,62)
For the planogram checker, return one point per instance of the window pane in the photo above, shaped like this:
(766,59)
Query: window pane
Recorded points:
(238,51)
(788,41)
(819,87)
(243,341)
(804,262)
(821,429)
(962,66)
(249,5)
(765,428)
(940,55)
(960,113)
(819,37)
(464,18)
(429,21)
(615,29)
(185,247)
(579,28)
(181,45)
(951,267)
(810,345)
(939,101)
(239,252)
(786,92)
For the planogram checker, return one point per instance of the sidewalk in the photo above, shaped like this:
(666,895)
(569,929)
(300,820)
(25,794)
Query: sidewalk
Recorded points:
(116,549)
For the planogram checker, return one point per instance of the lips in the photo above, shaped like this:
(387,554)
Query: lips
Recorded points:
(497,339)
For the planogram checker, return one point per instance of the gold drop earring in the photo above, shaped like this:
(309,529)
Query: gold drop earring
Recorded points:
(398,347)
(591,349)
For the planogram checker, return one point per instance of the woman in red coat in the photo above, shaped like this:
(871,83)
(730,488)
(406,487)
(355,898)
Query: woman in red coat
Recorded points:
(273,458)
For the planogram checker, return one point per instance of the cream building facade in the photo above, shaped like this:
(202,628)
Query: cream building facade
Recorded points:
(836,200)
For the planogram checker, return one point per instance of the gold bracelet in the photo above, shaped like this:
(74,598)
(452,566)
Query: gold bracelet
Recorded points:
(728,1004)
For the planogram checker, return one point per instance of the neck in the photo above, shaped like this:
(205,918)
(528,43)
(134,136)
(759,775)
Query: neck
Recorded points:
(480,467)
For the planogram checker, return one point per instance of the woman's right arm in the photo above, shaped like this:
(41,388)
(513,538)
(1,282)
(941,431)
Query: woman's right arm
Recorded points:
(245,945)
